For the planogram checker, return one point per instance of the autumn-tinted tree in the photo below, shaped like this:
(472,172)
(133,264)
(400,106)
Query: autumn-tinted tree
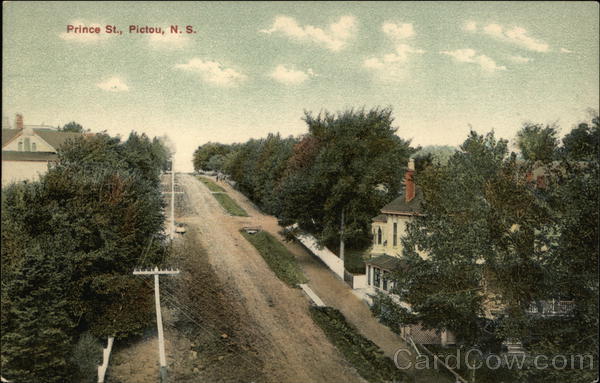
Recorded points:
(358,151)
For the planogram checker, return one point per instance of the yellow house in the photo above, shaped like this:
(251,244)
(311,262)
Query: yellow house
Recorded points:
(28,150)
(388,228)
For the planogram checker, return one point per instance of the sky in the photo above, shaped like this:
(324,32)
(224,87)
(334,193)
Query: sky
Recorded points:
(251,68)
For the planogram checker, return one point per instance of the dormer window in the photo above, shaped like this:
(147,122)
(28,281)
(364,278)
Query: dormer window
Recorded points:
(20,146)
(33,147)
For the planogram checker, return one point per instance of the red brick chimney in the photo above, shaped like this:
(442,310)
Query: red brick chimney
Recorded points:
(409,183)
(19,121)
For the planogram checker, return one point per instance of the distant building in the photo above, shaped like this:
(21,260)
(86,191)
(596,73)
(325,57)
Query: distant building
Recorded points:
(27,150)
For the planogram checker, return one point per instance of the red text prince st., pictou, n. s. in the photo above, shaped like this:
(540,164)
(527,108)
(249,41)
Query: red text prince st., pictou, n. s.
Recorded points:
(132,29)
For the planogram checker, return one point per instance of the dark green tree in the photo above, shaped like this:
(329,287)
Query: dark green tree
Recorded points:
(72,127)
(36,325)
(537,143)
(358,151)
(583,142)
(203,154)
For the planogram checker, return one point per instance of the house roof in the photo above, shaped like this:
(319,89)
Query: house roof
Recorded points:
(386,262)
(28,156)
(380,218)
(400,206)
(53,137)
(8,135)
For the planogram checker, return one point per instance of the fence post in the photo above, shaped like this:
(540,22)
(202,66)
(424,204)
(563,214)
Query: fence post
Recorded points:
(105,357)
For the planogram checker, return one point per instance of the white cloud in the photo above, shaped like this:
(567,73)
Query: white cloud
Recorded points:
(398,31)
(113,84)
(168,41)
(520,59)
(291,76)
(468,55)
(85,38)
(517,36)
(470,26)
(392,66)
(213,72)
(334,38)
(565,50)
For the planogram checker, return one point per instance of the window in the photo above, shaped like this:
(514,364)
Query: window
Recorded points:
(379,235)
(395,240)
(27,144)
(385,280)
(369,274)
(20,146)
(33,147)
(376,277)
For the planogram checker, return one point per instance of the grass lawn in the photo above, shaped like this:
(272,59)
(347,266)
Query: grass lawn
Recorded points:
(354,262)
(280,260)
(230,205)
(353,259)
(360,352)
(213,187)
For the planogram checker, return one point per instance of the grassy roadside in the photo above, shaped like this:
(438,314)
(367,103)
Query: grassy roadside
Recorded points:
(213,187)
(359,351)
(229,205)
(280,260)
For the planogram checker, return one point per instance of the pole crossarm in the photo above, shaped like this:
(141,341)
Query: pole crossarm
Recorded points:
(155,271)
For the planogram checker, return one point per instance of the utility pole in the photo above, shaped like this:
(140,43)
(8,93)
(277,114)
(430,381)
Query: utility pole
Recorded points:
(172,199)
(342,237)
(161,342)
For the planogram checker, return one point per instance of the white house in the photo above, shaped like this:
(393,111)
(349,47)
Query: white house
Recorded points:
(27,150)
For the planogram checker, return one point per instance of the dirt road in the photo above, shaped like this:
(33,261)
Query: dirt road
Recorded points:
(332,290)
(292,347)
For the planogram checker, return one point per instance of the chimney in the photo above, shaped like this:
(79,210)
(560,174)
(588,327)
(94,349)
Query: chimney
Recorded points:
(409,183)
(19,121)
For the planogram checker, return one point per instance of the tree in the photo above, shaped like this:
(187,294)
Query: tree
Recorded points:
(203,154)
(69,243)
(537,143)
(583,142)
(36,326)
(358,150)
(489,239)
(72,127)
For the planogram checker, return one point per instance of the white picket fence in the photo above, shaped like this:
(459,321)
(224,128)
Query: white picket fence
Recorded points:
(327,256)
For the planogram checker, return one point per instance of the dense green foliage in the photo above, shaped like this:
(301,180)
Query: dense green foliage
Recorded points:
(537,143)
(210,156)
(499,239)
(69,245)
(280,260)
(351,161)
(361,353)
(72,127)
